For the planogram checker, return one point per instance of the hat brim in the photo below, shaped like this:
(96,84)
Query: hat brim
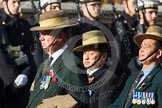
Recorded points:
(38,28)
(139,38)
(81,48)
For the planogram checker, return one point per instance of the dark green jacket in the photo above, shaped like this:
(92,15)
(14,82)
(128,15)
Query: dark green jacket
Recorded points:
(68,81)
(152,84)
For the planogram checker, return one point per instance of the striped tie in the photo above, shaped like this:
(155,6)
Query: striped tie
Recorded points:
(134,86)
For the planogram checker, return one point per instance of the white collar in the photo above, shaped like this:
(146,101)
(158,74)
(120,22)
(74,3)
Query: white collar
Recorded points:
(58,53)
(89,73)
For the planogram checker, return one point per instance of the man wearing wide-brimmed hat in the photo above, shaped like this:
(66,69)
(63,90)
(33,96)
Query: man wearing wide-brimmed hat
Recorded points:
(96,51)
(145,89)
(58,74)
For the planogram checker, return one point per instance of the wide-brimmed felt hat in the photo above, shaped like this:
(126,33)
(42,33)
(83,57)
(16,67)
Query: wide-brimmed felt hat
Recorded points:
(55,19)
(87,1)
(153,32)
(44,3)
(94,37)
(143,4)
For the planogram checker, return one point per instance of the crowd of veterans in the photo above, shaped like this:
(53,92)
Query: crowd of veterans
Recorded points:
(55,61)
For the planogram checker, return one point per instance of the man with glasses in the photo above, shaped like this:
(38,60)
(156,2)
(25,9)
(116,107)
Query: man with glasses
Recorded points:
(91,9)
(148,10)
(130,23)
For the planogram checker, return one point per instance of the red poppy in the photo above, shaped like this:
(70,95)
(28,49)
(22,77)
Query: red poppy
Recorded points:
(51,73)
(53,80)
(143,85)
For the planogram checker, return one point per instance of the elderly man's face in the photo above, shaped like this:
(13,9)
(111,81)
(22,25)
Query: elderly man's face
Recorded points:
(92,58)
(46,39)
(148,46)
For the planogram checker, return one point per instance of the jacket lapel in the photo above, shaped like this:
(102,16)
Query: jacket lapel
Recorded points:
(148,80)
(145,83)
(57,65)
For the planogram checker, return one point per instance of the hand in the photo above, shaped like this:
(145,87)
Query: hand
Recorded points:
(20,81)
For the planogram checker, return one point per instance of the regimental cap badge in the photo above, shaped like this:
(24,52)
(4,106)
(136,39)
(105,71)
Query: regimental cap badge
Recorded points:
(143,4)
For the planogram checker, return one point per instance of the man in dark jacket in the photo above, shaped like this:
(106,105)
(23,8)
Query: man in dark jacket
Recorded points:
(136,17)
(103,84)
(17,43)
(144,90)
(58,76)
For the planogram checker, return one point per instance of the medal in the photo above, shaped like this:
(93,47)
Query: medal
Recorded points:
(134,100)
(138,101)
(139,98)
(143,98)
(152,102)
(148,98)
(48,79)
(152,98)
(43,82)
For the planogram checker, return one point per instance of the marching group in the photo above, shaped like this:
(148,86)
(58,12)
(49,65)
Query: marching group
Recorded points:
(81,62)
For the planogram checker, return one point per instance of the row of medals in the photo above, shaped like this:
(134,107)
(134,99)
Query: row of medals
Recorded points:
(143,98)
(45,82)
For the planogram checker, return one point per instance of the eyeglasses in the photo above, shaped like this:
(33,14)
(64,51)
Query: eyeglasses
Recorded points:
(150,12)
(95,5)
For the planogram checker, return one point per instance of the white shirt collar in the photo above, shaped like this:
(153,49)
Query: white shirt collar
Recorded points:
(89,73)
(58,53)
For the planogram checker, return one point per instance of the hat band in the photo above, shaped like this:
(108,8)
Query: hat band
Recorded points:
(96,40)
(54,22)
(153,33)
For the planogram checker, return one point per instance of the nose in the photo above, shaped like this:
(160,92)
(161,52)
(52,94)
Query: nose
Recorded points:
(141,50)
(154,14)
(57,8)
(17,4)
(86,56)
(41,37)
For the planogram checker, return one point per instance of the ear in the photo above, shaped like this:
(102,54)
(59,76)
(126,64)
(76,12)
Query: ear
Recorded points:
(4,4)
(159,53)
(61,36)
(104,56)
(82,7)
(124,2)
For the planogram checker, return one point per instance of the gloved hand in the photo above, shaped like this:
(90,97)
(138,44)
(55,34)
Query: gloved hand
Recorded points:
(20,81)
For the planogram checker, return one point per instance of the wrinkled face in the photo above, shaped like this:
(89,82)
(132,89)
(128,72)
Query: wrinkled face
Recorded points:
(52,6)
(94,9)
(151,16)
(13,6)
(90,56)
(46,39)
(148,46)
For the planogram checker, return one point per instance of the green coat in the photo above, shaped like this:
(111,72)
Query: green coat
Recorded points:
(68,81)
(153,83)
